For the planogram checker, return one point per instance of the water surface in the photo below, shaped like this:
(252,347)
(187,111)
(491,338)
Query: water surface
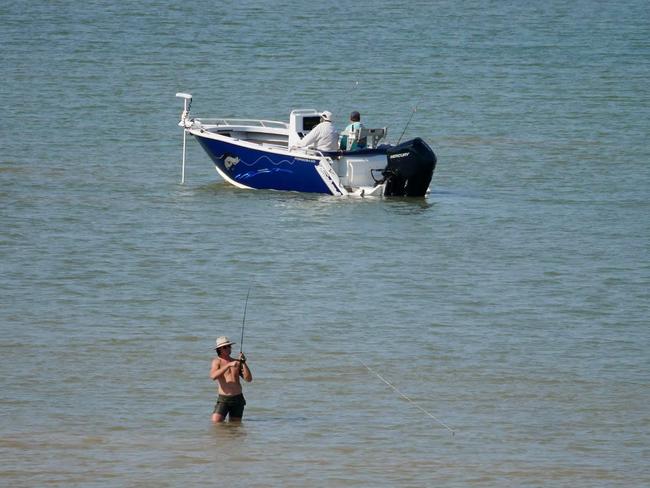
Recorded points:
(511,303)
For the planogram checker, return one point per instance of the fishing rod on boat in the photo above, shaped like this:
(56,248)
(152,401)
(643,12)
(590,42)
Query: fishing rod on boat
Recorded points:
(415,109)
(338,108)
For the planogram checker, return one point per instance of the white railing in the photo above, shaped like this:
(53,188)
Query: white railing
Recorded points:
(222,122)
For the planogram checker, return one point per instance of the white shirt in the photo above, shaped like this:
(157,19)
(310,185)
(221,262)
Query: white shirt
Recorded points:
(324,137)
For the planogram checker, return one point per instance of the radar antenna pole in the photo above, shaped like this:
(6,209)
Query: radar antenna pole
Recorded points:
(187,102)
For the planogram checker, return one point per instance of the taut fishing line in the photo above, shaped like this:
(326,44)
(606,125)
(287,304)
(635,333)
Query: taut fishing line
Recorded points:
(453,432)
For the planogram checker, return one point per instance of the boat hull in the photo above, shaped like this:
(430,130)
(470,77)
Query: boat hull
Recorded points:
(261,169)
(402,170)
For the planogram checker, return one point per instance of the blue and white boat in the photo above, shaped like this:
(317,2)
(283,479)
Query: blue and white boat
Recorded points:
(260,154)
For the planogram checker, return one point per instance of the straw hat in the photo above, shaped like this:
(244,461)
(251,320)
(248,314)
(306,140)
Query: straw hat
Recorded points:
(327,115)
(223,341)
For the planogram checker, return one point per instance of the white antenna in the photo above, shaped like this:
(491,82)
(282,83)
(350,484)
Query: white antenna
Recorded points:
(187,102)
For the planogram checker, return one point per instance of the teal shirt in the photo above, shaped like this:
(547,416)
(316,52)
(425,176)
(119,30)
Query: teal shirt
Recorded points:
(344,138)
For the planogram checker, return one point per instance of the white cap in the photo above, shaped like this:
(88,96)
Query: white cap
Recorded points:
(327,115)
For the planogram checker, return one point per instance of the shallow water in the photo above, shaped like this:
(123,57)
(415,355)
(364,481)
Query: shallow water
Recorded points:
(511,304)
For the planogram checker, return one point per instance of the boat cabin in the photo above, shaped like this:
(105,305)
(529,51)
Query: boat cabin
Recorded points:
(280,135)
(304,120)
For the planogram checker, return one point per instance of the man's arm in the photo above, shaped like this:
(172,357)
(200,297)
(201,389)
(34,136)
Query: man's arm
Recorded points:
(244,371)
(216,372)
(310,138)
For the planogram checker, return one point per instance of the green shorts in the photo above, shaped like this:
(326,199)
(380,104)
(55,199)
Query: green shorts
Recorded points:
(230,405)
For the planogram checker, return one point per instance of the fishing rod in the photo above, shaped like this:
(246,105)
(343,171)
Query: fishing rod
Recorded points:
(348,95)
(415,109)
(243,322)
(453,432)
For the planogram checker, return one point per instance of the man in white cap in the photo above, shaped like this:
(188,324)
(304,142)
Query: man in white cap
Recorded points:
(227,371)
(323,137)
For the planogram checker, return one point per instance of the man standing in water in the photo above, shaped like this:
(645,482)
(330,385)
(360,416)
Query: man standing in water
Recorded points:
(227,371)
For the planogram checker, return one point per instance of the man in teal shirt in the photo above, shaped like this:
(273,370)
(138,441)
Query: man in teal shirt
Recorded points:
(355,125)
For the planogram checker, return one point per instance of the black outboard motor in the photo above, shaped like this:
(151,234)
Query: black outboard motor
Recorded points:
(409,169)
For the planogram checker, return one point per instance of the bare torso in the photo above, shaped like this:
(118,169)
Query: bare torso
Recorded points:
(229,381)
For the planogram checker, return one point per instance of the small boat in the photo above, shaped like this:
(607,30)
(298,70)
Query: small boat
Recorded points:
(260,154)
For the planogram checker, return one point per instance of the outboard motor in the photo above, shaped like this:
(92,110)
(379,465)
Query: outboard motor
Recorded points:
(409,169)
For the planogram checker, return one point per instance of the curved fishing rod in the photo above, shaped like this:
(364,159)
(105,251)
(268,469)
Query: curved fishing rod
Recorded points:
(243,322)
(415,109)
(338,107)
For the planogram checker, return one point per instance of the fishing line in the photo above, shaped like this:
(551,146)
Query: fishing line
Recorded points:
(453,433)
